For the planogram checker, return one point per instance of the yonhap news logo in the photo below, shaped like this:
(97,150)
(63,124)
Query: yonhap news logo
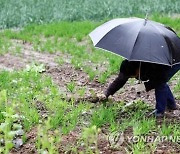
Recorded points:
(118,138)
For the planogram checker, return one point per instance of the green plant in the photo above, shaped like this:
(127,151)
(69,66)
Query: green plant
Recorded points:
(89,137)
(71,86)
(14,14)
(81,91)
(103,77)
(35,68)
(139,147)
(177,86)
(103,116)
(72,119)
(76,62)
(4,45)
(47,140)
(91,73)
(144,126)
(9,127)
(57,119)
(5,127)
(176,131)
(166,129)
(18,50)
(60,61)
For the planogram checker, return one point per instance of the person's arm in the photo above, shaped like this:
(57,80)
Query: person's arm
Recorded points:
(116,84)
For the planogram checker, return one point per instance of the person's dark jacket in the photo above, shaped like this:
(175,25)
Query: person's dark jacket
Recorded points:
(152,74)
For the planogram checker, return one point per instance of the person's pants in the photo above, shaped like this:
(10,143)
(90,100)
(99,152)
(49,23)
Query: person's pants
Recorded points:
(163,94)
(164,98)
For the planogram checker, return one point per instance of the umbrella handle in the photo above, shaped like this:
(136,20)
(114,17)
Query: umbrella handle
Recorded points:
(139,77)
(146,18)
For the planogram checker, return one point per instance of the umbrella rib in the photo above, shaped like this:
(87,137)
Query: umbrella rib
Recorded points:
(135,43)
(166,40)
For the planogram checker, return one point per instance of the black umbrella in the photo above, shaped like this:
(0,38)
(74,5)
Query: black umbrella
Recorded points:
(138,39)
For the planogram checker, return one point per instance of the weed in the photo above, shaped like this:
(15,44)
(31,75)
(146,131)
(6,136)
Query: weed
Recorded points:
(139,147)
(103,116)
(25,87)
(76,63)
(93,93)
(72,118)
(60,61)
(103,77)
(81,91)
(4,45)
(47,140)
(166,129)
(8,128)
(177,86)
(35,68)
(176,131)
(18,50)
(136,109)
(89,137)
(71,86)
(144,126)
(57,118)
(3,100)
(90,72)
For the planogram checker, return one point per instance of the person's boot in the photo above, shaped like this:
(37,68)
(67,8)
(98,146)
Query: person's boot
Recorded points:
(156,114)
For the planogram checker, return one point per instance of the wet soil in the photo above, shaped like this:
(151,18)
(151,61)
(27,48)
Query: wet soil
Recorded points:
(64,74)
(29,146)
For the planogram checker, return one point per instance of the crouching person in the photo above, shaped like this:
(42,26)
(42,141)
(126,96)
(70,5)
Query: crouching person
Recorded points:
(155,76)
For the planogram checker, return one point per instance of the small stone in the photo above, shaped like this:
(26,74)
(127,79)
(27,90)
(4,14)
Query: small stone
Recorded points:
(19,132)
(176,113)
(18,143)
(1,141)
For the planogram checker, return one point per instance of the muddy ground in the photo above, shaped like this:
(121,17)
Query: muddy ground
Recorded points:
(65,73)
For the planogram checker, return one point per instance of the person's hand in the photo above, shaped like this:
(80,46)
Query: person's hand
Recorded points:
(101,97)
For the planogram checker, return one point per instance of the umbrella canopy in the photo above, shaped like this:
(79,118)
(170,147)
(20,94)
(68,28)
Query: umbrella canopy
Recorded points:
(138,39)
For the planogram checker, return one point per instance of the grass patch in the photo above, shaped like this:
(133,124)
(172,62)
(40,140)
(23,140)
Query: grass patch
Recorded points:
(20,91)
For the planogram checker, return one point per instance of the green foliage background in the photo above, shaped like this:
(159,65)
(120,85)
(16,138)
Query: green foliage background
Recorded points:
(22,12)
